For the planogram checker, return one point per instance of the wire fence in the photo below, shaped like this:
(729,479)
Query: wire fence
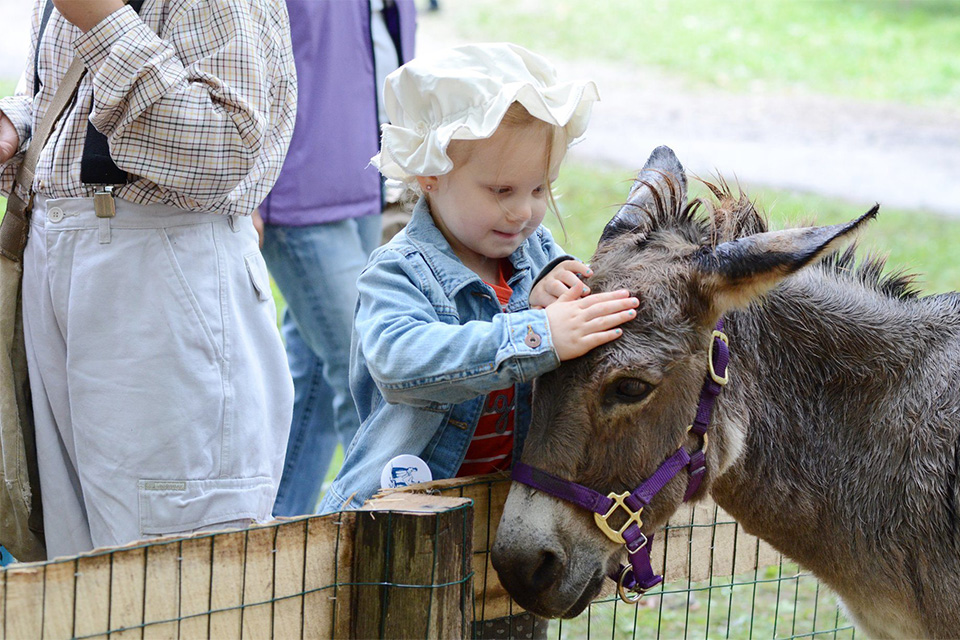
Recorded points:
(411,565)
(720,581)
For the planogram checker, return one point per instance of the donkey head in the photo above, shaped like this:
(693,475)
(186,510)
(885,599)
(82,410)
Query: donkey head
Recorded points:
(607,420)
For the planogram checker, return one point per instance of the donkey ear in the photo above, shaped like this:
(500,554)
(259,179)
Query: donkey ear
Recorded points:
(741,270)
(660,187)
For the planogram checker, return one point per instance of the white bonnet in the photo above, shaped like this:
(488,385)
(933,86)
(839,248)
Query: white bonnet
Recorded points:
(462,94)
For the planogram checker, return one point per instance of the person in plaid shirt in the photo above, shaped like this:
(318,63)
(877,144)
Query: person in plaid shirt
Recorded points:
(161,392)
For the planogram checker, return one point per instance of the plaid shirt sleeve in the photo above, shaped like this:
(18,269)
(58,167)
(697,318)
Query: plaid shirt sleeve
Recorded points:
(17,108)
(196,98)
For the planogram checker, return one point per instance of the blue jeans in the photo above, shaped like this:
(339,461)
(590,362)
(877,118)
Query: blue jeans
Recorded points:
(316,268)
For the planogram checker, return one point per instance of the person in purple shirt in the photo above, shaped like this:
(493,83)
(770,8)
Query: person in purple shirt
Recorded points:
(322,218)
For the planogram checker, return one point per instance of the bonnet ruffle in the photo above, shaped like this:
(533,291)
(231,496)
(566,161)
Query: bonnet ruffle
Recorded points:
(463,94)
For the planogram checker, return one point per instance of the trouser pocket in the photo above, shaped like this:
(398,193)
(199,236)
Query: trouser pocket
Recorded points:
(176,506)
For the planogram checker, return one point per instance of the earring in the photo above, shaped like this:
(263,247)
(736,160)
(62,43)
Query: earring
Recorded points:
(429,187)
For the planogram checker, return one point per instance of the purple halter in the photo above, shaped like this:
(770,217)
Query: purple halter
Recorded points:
(637,577)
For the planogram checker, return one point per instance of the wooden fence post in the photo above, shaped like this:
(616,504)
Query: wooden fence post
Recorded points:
(412,568)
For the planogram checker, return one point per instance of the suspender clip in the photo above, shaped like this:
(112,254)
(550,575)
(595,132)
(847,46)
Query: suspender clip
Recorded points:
(103,204)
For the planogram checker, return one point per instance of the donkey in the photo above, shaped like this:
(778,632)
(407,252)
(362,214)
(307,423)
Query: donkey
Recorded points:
(837,440)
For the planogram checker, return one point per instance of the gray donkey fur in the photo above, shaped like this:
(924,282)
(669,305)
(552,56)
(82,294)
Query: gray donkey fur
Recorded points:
(836,440)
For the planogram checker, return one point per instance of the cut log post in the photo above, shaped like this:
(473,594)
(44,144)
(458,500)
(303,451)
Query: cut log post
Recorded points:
(412,569)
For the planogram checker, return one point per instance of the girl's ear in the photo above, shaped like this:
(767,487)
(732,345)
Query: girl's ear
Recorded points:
(428,183)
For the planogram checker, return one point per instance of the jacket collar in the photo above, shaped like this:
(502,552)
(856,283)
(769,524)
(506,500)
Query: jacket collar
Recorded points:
(423,233)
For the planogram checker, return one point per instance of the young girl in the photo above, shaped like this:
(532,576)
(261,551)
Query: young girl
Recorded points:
(474,299)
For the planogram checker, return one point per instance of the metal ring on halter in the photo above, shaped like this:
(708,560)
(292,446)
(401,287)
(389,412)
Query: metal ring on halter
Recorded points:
(632,596)
(720,380)
(703,436)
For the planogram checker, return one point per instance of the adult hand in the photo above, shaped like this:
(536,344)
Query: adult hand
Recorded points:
(86,14)
(561,279)
(9,139)
(579,324)
(258,225)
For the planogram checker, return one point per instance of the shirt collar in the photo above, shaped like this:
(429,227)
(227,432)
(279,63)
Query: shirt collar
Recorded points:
(452,274)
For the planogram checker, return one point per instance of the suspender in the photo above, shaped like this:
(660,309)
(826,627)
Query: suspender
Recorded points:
(96,166)
(47,10)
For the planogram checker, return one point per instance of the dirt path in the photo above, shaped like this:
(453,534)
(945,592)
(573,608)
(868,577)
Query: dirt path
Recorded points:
(900,156)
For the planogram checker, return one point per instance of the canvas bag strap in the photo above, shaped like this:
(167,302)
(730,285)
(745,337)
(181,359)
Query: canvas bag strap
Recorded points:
(13,229)
(96,165)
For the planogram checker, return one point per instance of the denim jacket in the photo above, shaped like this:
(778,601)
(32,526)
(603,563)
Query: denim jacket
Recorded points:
(430,341)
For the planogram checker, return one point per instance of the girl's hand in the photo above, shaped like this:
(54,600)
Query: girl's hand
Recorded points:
(561,279)
(579,324)
(9,139)
(86,14)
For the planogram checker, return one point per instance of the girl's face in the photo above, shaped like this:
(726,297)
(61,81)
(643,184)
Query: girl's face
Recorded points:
(494,197)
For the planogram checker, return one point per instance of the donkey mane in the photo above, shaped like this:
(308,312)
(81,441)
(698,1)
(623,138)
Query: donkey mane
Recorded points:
(730,216)
(838,441)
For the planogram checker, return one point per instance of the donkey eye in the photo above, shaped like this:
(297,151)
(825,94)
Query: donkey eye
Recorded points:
(631,389)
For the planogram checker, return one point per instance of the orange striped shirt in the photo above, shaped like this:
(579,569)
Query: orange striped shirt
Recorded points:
(491,448)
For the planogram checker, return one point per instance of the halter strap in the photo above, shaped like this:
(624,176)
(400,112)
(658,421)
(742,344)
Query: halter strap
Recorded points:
(638,576)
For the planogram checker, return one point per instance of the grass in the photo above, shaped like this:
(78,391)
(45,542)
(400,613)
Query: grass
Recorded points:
(899,50)
(775,602)
(896,50)
(915,241)
(7,88)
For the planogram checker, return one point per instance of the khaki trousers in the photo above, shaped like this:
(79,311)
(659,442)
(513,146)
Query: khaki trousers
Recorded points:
(160,386)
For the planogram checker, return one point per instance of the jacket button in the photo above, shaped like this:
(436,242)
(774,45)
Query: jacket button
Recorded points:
(533,339)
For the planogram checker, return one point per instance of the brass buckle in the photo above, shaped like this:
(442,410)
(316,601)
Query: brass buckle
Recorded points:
(631,596)
(720,380)
(618,501)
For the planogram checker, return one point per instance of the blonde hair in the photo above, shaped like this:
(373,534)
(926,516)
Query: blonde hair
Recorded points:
(516,117)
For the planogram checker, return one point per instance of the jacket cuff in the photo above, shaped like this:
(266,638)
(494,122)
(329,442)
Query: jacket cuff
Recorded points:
(532,343)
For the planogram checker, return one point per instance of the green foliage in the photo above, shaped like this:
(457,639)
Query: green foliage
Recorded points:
(914,241)
(775,602)
(7,87)
(902,50)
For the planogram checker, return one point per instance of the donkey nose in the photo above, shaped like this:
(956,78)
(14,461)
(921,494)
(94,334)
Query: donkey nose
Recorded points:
(547,571)
(531,571)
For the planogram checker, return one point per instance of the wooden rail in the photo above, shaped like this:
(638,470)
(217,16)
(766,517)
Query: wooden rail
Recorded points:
(700,541)
(412,563)
(350,575)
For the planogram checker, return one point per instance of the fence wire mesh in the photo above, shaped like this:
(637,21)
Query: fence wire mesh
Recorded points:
(413,565)
(732,586)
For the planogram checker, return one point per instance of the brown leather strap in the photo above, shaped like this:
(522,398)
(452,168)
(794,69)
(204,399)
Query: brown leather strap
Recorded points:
(13,229)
